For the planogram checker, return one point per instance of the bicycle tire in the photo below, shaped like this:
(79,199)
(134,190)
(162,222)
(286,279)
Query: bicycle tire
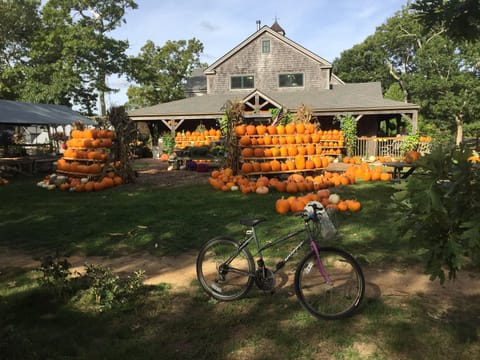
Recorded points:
(225,282)
(335,300)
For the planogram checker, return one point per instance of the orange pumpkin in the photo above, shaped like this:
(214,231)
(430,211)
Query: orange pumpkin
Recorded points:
(240,130)
(251,129)
(282,206)
(247,152)
(247,168)
(117,180)
(245,140)
(412,156)
(271,129)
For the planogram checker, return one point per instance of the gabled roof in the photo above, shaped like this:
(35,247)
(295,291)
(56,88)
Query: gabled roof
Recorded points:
(21,113)
(351,98)
(257,34)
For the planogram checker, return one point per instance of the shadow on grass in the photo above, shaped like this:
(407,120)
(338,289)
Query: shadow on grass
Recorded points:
(187,324)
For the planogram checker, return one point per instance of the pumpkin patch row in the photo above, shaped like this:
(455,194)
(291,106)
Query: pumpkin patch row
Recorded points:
(325,197)
(79,168)
(289,129)
(92,134)
(89,143)
(73,184)
(299,162)
(85,154)
(196,138)
(225,180)
(287,148)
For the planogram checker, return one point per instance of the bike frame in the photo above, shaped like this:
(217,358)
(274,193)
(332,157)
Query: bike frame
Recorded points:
(307,229)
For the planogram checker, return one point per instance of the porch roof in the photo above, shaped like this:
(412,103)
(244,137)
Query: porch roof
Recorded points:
(357,98)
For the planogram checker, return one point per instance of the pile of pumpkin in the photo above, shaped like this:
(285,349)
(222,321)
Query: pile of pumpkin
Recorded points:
(325,197)
(196,138)
(364,172)
(288,140)
(73,184)
(225,180)
(79,168)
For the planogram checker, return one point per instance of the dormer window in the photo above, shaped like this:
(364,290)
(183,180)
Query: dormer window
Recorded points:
(290,80)
(265,46)
(242,82)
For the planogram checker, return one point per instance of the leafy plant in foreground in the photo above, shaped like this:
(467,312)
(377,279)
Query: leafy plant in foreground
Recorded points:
(108,289)
(441,208)
(56,275)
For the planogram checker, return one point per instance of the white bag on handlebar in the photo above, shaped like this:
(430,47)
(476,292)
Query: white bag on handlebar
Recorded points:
(327,229)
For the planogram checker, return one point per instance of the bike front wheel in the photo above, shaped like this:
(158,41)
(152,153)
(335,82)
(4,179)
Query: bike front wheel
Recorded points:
(224,271)
(331,289)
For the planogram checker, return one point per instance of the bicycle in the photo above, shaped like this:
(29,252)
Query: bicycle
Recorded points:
(329,282)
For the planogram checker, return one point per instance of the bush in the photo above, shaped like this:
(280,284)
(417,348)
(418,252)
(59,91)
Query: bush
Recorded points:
(441,211)
(109,290)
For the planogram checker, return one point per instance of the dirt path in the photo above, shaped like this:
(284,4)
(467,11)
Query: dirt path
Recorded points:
(180,273)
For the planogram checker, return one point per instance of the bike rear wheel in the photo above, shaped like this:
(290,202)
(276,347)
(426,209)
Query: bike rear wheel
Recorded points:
(223,271)
(334,291)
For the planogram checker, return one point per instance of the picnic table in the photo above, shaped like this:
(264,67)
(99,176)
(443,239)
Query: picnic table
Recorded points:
(401,169)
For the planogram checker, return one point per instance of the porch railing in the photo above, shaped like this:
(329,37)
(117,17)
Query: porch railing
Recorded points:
(384,146)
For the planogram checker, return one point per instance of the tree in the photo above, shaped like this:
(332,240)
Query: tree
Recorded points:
(446,84)
(72,55)
(364,62)
(428,67)
(19,20)
(106,56)
(160,72)
(460,18)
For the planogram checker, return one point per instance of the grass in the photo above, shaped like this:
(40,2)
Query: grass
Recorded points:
(185,325)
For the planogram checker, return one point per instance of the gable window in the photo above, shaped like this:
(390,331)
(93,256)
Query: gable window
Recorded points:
(290,80)
(242,82)
(265,46)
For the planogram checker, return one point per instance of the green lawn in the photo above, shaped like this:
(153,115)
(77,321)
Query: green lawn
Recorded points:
(166,324)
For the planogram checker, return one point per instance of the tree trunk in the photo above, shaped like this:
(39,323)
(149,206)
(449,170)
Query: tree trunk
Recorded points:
(101,98)
(459,124)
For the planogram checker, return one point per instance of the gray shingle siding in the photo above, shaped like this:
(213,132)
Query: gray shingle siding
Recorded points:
(282,59)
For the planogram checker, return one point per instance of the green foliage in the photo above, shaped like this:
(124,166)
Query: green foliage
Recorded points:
(422,65)
(160,72)
(61,55)
(56,275)
(460,18)
(280,116)
(108,289)
(168,142)
(394,92)
(409,143)
(441,211)
(19,22)
(348,125)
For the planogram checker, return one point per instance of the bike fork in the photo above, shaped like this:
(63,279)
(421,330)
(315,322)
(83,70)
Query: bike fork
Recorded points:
(320,266)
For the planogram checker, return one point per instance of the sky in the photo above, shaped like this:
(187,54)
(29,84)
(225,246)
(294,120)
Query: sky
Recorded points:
(325,27)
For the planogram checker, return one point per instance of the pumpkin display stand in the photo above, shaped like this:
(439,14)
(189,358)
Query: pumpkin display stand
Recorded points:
(287,149)
(87,153)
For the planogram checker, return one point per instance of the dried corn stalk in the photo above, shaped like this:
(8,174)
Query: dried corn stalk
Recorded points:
(125,136)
